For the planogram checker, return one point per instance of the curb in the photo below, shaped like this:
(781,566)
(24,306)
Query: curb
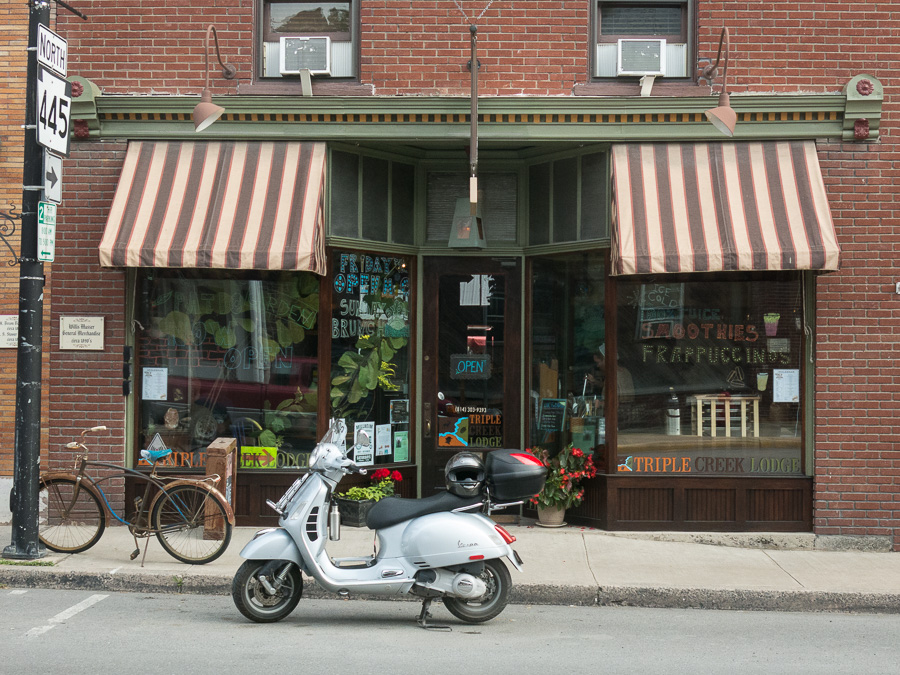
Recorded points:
(526,594)
(749,600)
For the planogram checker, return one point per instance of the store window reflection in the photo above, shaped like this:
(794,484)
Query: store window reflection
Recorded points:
(232,356)
(370,353)
(716,371)
(568,337)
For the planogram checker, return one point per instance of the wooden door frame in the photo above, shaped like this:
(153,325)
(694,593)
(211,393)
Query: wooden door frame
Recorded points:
(434,267)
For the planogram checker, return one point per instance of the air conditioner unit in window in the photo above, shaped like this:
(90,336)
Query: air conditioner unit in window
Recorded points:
(305,53)
(641,57)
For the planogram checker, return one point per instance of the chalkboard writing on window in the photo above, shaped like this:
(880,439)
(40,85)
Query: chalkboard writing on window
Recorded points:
(661,308)
(553,414)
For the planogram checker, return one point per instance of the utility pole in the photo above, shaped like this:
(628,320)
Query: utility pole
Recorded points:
(25,543)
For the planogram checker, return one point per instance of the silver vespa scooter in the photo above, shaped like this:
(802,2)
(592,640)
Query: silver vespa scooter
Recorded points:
(444,546)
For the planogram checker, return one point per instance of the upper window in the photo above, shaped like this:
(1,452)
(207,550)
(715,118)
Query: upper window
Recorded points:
(315,36)
(642,38)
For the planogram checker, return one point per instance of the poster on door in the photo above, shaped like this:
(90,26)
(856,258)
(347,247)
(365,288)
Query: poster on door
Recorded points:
(364,454)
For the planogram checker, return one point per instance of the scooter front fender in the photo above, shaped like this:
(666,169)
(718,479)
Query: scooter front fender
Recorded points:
(274,544)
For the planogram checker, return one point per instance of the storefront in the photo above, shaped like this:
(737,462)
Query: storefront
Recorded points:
(649,302)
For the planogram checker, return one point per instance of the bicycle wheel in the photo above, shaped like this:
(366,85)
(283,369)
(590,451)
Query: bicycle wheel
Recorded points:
(191,524)
(68,523)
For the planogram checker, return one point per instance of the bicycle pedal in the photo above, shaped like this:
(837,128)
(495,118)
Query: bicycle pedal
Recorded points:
(135,553)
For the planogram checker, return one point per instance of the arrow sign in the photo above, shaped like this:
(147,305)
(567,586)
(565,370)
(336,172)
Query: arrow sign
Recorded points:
(52,177)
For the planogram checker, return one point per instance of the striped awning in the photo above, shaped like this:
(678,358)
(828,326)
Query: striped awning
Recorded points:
(230,205)
(697,207)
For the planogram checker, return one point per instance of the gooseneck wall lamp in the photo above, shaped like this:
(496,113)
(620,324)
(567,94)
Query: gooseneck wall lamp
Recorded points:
(722,116)
(206,111)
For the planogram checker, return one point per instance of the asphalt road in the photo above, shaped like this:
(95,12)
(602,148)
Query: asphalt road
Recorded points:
(72,632)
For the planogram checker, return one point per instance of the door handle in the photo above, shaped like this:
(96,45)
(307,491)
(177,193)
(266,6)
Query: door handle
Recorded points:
(427,413)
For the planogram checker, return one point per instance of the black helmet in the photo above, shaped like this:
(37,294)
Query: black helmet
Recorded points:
(464,474)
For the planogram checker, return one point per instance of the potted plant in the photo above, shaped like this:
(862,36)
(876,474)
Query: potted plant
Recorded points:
(562,488)
(354,503)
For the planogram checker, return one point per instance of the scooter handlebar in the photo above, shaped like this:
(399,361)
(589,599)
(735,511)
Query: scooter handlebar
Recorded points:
(349,466)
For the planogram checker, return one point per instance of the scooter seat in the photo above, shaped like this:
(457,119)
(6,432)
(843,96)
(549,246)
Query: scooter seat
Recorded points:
(392,510)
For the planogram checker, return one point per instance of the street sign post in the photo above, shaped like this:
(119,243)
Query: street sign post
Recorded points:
(54,103)
(46,231)
(52,177)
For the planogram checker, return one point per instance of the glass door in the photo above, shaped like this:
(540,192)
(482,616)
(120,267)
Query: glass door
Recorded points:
(471,382)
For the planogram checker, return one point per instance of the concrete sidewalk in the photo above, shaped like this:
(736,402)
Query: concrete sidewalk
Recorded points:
(570,565)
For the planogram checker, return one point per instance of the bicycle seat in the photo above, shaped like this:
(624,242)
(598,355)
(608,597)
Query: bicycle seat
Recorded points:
(153,456)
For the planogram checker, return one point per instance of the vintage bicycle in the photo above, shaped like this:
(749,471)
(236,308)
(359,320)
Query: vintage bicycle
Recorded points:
(190,517)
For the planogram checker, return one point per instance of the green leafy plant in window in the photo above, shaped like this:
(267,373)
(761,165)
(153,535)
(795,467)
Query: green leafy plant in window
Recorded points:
(277,420)
(369,366)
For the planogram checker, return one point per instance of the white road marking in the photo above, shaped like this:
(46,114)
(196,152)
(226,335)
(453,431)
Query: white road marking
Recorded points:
(66,614)
(19,592)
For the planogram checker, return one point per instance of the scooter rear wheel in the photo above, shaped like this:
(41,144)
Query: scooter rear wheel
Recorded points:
(254,602)
(498,581)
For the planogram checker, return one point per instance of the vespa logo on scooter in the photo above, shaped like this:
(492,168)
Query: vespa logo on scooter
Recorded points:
(462,545)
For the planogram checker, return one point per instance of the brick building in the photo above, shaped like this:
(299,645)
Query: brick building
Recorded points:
(648,289)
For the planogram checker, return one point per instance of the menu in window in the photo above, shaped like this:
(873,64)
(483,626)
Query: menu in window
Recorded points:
(786,385)
(155,382)
(382,439)
(553,414)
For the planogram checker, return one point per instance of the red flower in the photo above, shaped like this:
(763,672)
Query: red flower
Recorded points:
(381,474)
(397,476)
(576,452)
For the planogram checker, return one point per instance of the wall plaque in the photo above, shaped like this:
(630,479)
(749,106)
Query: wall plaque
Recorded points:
(81,332)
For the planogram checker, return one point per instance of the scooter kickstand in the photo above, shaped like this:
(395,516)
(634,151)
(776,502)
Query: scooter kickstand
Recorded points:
(424,615)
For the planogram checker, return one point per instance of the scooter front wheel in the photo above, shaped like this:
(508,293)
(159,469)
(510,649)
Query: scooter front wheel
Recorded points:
(255,602)
(498,581)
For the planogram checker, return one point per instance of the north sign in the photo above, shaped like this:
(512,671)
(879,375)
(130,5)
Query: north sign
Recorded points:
(52,50)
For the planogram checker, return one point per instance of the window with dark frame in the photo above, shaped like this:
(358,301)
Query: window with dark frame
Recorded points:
(635,20)
(307,23)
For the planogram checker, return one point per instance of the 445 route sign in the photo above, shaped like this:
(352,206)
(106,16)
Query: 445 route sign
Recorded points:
(46,231)
(54,105)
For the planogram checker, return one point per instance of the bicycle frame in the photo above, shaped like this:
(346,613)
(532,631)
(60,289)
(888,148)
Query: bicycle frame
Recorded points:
(189,504)
(152,479)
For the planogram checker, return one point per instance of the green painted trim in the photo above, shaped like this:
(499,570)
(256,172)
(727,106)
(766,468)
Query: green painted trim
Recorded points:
(396,120)
(862,117)
(808,281)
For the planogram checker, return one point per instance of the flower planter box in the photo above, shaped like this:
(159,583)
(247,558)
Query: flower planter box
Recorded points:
(354,511)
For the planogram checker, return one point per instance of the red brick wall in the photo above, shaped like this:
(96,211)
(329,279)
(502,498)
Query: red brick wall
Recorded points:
(422,48)
(86,386)
(858,327)
(157,46)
